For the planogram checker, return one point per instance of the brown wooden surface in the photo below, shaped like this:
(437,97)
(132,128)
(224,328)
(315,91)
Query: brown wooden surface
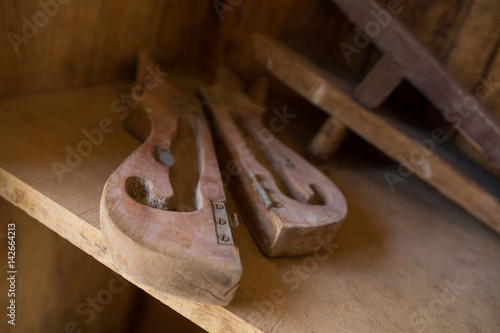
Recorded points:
(96,42)
(395,256)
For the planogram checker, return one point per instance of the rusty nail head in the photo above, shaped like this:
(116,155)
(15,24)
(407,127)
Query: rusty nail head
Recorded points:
(224,238)
(220,220)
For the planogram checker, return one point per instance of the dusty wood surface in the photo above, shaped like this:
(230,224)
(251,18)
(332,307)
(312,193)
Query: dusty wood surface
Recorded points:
(291,208)
(422,157)
(392,262)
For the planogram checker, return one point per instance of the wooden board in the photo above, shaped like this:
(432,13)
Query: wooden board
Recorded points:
(389,266)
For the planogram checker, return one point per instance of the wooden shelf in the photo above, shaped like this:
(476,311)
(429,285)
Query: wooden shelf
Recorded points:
(389,269)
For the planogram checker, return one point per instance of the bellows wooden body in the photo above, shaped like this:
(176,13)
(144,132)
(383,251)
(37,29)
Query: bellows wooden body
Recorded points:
(290,207)
(163,210)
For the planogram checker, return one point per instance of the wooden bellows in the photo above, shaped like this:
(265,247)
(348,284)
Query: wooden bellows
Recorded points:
(163,210)
(290,207)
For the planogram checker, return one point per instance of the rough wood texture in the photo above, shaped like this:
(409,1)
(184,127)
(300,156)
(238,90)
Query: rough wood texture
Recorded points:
(396,140)
(163,209)
(291,208)
(96,42)
(404,53)
(392,260)
(79,43)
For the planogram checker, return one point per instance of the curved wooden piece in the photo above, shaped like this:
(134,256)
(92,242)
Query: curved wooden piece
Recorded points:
(163,210)
(290,207)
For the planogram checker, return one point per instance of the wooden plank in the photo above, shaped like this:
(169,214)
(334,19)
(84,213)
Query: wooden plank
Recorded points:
(449,40)
(387,270)
(330,94)
(82,44)
(434,24)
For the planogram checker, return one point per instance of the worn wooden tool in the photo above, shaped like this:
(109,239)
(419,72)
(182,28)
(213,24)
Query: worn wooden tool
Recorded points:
(163,210)
(404,57)
(290,207)
(427,154)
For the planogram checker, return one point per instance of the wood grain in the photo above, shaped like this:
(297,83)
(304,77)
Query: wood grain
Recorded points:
(187,34)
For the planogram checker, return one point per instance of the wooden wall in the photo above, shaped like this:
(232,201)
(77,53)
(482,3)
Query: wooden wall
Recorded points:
(91,42)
